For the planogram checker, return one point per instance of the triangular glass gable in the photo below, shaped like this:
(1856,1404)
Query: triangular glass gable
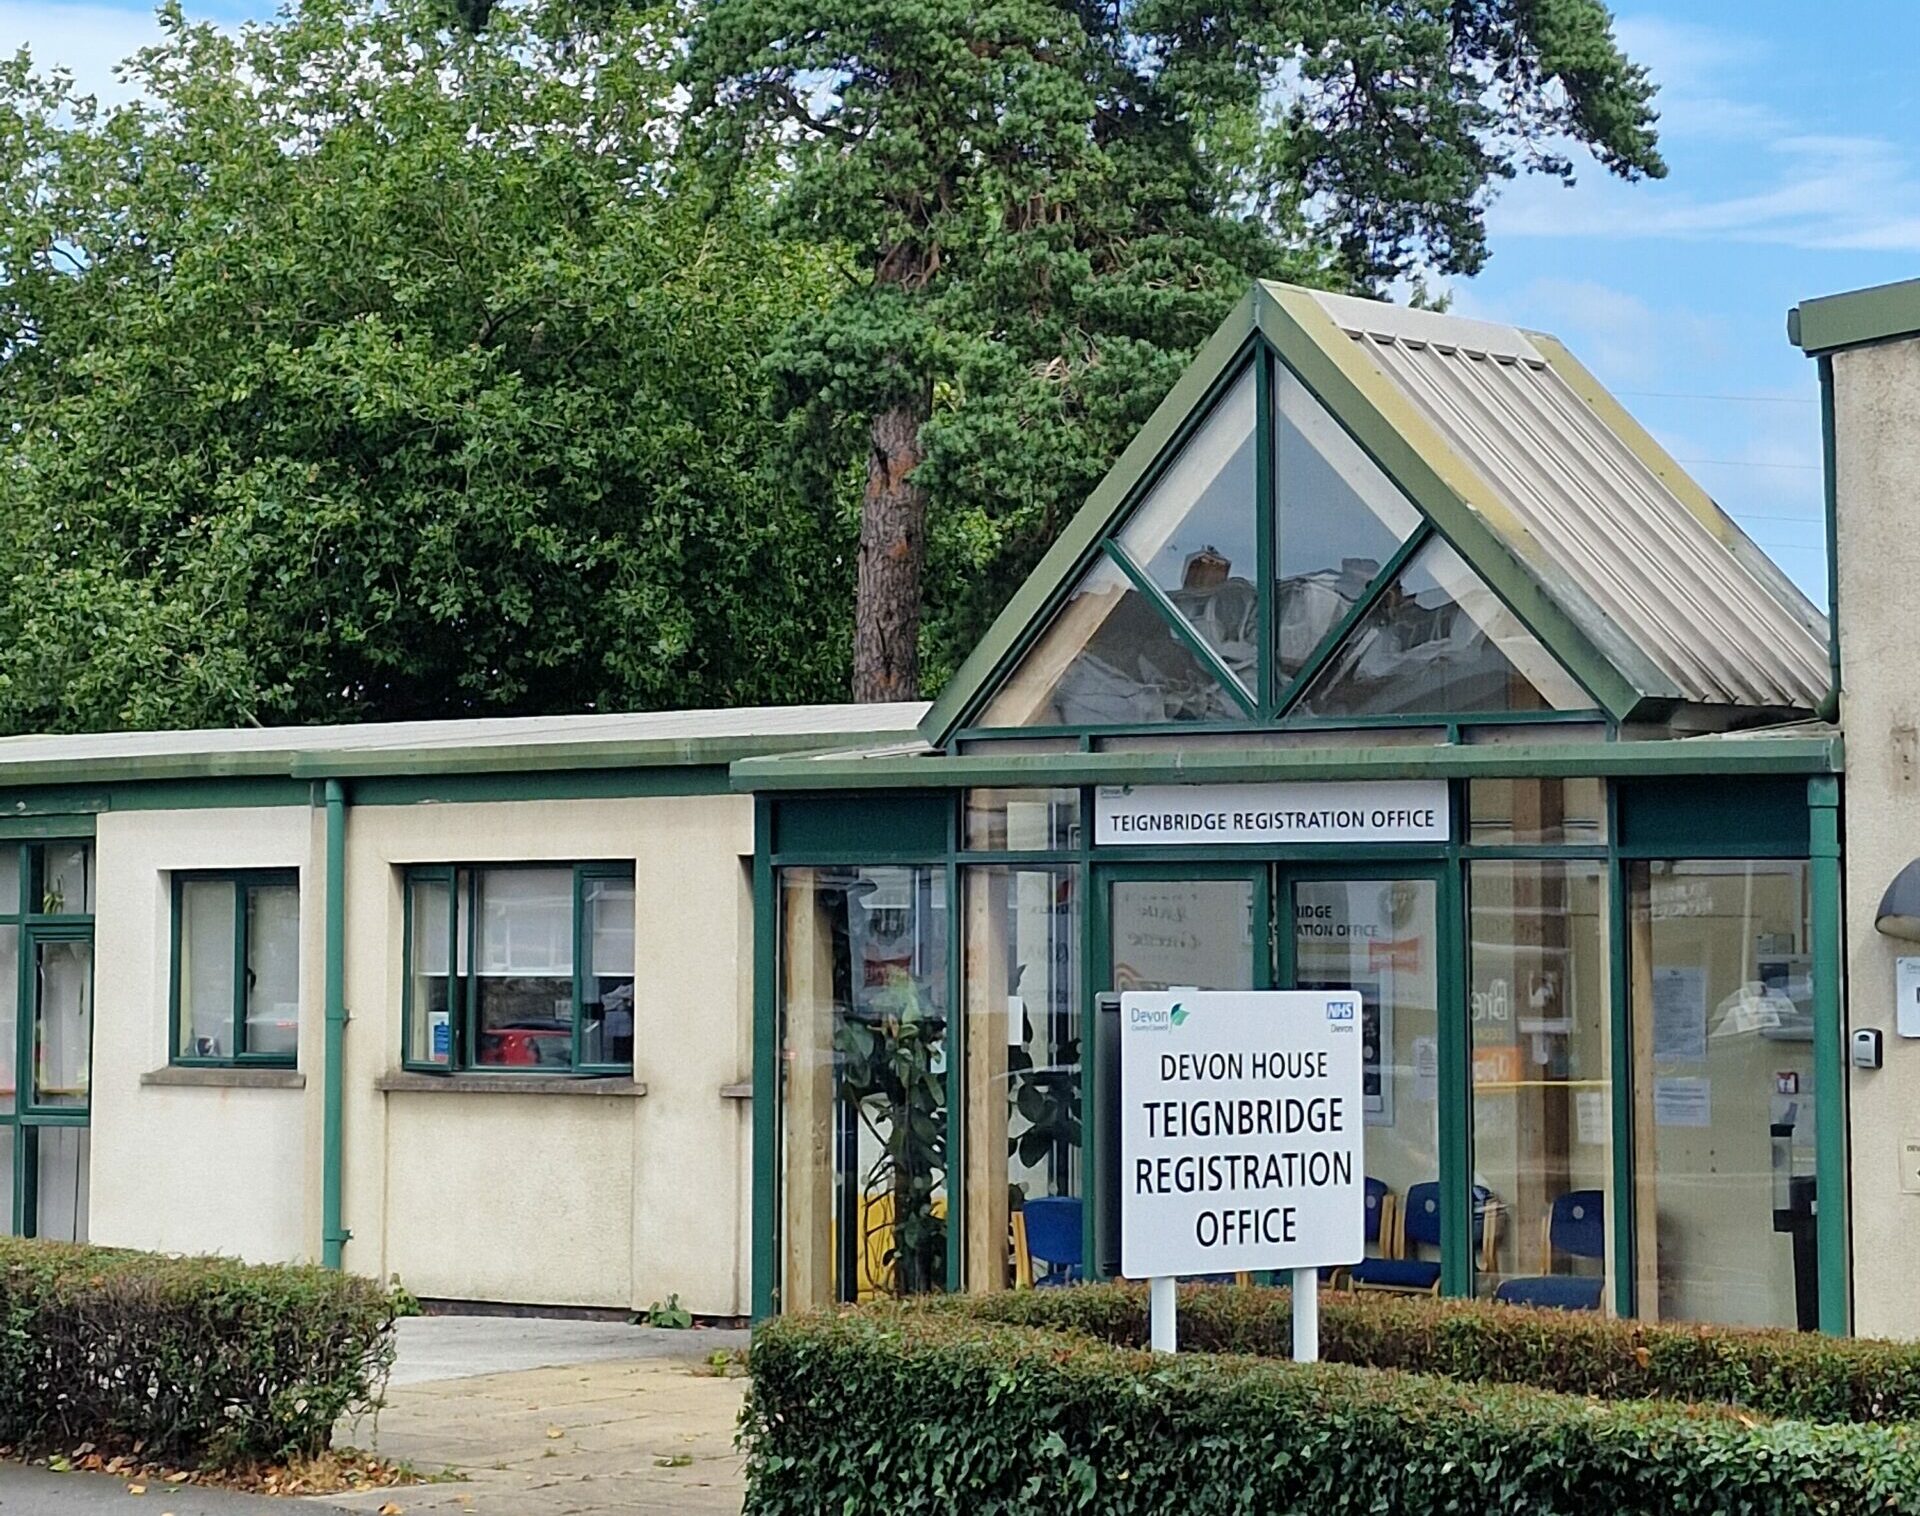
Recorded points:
(1338,519)
(1109,658)
(1196,534)
(1438,641)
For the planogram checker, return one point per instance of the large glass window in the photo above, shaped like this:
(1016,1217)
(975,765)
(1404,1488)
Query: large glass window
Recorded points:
(1338,520)
(1024,1138)
(520,968)
(1109,658)
(1195,534)
(1542,1104)
(1723,1088)
(1438,640)
(863,1011)
(236,955)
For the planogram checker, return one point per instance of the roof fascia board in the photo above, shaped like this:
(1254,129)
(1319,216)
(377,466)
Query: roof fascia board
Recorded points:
(1716,755)
(518,758)
(1699,504)
(1420,461)
(1081,537)
(1882,313)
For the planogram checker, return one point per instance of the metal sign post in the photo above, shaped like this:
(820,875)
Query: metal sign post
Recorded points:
(1241,1130)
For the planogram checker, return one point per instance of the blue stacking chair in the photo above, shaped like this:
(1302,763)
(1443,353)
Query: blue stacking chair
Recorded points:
(1417,1225)
(1576,1226)
(1053,1237)
(1379,1226)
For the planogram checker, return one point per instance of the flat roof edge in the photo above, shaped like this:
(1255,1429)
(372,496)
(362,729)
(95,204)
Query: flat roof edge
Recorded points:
(1732,756)
(1881,313)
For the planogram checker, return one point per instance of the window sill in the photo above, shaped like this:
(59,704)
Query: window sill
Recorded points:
(239,1078)
(405,1082)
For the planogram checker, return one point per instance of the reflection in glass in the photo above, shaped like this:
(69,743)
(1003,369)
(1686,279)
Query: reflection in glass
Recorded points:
(63,1025)
(62,1183)
(523,979)
(863,1003)
(1338,520)
(1195,534)
(66,879)
(1723,1092)
(1109,658)
(9,1020)
(206,969)
(1533,812)
(1438,640)
(1377,936)
(9,1141)
(1542,1112)
(1022,821)
(273,970)
(606,1013)
(1024,1140)
(1182,933)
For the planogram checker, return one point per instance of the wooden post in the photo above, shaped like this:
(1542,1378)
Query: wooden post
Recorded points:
(807,992)
(984,992)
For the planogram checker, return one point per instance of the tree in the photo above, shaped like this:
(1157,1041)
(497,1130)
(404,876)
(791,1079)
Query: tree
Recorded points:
(1046,203)
(367,369)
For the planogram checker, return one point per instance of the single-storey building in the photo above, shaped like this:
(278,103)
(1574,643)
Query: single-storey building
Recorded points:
(1392,654)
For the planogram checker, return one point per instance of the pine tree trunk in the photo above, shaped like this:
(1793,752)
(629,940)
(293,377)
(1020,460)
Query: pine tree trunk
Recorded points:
(893,550)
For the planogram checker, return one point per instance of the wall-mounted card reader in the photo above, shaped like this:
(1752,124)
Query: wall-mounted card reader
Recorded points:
(1866,1048)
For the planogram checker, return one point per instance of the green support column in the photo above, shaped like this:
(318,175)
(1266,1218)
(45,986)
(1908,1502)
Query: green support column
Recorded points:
(333,1234)
(766,1069)
(1829,1056)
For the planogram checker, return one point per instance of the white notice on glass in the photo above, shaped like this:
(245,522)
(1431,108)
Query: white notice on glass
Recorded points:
(1426,1070)
(1590,1118)
(1683,1101)
(1680,1015)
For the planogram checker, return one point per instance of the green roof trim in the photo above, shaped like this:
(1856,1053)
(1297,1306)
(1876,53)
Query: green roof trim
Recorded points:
(1881,313)
(1723,756)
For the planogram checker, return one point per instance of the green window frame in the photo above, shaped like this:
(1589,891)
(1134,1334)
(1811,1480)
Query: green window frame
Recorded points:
(461,884)
(243,882)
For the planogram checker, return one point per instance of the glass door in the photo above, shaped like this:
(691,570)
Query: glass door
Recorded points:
(1379,933)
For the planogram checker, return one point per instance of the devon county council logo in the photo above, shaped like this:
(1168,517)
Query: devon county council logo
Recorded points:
(1178,1015)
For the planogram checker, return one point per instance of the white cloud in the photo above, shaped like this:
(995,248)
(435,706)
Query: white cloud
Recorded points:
(88,39)
(1624,339)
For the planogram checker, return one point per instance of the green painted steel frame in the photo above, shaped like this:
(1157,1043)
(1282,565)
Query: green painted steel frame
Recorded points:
(1832,1160)
(462,1001)
(334,1235)
(243,881)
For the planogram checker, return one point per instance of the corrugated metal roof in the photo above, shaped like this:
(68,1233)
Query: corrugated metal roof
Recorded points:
(779,726)
(1645,554)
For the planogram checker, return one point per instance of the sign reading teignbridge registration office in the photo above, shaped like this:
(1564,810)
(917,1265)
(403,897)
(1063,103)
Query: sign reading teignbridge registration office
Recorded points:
(1241,1131)
(1413,810)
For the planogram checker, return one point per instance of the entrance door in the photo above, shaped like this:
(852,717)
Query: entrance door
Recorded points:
(1297,926)
(1378,933)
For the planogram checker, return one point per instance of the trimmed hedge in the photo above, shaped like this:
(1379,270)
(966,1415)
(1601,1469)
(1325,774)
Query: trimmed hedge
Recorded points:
(201,1361)
(888,1411)
(1779,1373)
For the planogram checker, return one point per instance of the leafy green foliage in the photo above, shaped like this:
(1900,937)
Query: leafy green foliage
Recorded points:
(1778,1373)
(197,1360)
(673,1315)
(1044,207)
(367,369)
(885,1411)
(889,1077)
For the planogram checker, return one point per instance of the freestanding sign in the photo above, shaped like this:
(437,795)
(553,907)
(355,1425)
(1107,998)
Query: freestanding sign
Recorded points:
(1241,1131)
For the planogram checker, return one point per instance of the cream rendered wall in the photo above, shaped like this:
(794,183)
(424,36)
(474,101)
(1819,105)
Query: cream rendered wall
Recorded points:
(193,1170)
(549,1198)
(1877,475)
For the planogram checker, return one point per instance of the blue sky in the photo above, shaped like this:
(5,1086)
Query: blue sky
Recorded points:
(1794,157)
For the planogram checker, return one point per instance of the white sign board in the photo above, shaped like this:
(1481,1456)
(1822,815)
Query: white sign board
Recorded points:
(1241,1131)
(1413,810)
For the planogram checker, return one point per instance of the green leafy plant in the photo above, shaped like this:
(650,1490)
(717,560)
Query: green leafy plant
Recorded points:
(892,1409)
(197,1361)
(892,1078)
(673,1315)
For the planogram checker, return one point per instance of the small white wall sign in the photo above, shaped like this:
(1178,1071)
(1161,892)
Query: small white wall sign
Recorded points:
(1906,987)
(1412,810)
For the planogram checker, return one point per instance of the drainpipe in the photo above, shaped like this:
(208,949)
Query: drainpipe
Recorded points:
(333,1235)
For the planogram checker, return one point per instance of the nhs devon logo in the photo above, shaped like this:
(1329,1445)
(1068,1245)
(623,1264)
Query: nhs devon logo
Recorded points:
(1158,1019)
(1341,1013)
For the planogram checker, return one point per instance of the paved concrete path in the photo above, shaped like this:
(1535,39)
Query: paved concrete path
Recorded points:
(558,1418)
(38,1492)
